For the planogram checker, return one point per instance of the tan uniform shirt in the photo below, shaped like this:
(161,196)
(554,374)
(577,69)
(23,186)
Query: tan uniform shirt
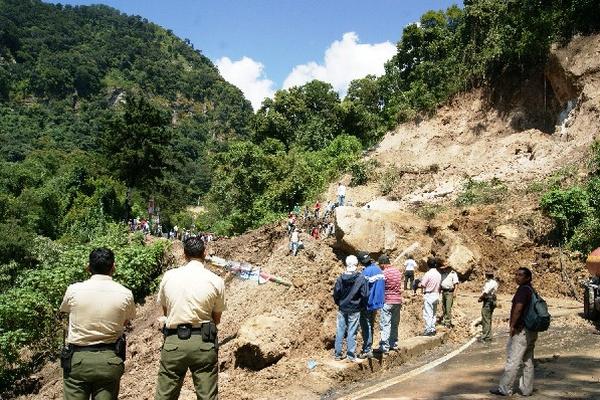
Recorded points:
(98,309)
(190,294)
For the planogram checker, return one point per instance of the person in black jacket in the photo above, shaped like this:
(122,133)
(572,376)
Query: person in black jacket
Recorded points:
(351,293)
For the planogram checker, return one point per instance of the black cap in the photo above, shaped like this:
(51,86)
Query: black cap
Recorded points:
(383,260)
(364,258)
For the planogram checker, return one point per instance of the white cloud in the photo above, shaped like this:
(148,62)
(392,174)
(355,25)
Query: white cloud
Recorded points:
(249,76)
(345,61)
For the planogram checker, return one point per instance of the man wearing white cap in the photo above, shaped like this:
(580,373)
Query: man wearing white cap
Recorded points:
(350,293)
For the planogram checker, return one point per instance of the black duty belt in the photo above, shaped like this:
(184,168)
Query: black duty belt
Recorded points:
(94,347)
(448,290)
(169,332)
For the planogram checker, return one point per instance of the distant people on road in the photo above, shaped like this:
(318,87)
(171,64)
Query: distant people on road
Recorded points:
(389,317)
(521,343)
(98,308)
(449,287)
(409,272)
(341,194)
(431,294)
(350,293)
(192,299)
(375,278)
(488,298)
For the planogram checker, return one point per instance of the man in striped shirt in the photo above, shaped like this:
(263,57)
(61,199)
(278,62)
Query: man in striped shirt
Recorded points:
(390,313)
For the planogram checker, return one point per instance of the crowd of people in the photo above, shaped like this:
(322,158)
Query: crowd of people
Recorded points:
(154,228)
(318,223)
(379,288)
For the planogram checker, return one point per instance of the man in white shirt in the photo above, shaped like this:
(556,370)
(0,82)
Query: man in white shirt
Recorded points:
(341,192)
(409,272)
(449,285)
(193,299)
(99,309)
(488,298)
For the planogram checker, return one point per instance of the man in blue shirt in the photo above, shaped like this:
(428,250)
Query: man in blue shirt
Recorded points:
(375,278)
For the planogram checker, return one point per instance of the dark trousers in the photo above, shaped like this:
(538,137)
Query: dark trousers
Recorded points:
(409,278)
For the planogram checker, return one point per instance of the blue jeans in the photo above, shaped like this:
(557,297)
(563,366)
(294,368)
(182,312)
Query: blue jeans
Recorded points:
(341,200)
(430,302)
(388,324)
(295,248)
(367,323)
(347,325)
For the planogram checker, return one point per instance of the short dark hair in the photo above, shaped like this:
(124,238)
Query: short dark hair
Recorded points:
(101,261)
(433,262)
(194,247)
(526,272)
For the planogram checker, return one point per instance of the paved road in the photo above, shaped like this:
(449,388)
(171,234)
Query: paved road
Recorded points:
(567,367)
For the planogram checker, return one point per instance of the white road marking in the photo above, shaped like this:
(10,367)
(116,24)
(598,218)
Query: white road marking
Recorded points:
(411,374)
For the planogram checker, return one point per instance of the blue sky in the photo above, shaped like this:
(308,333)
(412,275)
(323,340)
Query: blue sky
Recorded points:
(265,45)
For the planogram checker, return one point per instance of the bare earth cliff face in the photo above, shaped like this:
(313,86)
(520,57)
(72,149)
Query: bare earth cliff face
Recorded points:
(270,331)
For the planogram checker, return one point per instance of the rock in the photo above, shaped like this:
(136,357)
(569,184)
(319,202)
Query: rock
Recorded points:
(462,259)
(375,231)
(260,342)
(510,232)
(328,330)
(462,254)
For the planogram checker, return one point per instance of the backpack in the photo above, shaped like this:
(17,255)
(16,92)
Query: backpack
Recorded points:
(537,317)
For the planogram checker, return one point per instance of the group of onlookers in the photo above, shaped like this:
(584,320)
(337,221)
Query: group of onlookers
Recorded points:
(359,295)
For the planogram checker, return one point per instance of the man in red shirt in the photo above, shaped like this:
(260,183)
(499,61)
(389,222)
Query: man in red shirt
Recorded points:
(521,342)
(390,313)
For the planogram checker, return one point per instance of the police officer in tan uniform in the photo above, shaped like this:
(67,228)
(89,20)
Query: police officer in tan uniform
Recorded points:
(99,309)
(192,298)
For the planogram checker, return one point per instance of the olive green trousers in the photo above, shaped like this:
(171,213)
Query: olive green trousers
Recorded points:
(176,357)
(93,373)
(447,301)
(486,320)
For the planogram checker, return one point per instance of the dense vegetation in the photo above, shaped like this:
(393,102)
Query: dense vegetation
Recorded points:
(100,112)
(574,205)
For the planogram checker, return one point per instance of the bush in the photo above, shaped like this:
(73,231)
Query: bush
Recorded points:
(361,172)
(568,208)
(481,192)
(389,179)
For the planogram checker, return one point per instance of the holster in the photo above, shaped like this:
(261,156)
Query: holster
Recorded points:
(209,332)
(66,356)
(121,347)
(184,331)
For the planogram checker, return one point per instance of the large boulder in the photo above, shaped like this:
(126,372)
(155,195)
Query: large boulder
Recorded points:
(260,342)
(462,259)
(462,254)
(375,231)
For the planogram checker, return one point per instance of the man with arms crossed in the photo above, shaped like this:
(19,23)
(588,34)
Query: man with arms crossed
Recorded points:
(98,311)
(192,298)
